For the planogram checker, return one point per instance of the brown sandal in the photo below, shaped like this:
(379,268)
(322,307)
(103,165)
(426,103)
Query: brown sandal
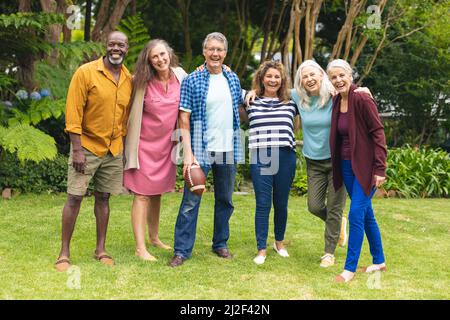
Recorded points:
(62,264)
(104,258)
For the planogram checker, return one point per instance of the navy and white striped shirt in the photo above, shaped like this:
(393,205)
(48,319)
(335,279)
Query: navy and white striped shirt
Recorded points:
(271,123)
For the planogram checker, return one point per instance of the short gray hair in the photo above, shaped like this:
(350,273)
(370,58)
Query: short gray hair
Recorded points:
(216,36)
(339,63)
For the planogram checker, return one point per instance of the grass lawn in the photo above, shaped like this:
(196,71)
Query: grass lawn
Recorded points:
(415,236)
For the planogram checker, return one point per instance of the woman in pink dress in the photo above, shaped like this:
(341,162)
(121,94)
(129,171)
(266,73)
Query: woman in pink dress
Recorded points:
(150,169)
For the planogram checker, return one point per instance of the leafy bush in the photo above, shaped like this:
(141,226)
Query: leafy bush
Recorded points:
(56,77)
(300,183)
(45,176)
(418,172)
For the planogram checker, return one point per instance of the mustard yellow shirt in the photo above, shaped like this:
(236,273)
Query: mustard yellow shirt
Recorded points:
(97,107)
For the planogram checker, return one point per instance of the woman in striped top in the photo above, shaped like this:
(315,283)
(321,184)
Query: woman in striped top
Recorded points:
(312,94)
(271,118)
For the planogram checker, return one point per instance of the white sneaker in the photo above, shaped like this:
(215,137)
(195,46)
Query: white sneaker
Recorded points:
(327,260)
(282,252)
(259,259)
(343,237)
(375,267)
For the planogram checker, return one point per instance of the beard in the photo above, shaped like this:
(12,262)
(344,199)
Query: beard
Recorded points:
(116,61)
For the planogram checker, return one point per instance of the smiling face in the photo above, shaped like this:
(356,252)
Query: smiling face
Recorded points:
(340,79)
(272,82)
(159,58)
(311,80)
(116,48)
(214,53)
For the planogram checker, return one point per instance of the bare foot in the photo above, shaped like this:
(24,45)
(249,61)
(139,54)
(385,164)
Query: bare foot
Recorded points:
(145,255)
(345,276)
(160,245)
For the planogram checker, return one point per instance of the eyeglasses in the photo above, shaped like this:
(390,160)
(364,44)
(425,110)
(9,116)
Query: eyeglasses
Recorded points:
(212,50)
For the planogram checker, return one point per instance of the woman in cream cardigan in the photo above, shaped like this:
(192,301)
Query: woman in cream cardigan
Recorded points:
(150,168)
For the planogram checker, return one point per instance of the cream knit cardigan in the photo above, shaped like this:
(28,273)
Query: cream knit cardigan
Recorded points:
(134,124)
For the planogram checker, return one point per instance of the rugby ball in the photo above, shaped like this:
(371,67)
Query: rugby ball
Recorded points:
(195,179)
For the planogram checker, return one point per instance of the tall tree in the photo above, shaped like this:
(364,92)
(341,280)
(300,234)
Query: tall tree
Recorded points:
(183,7)
(88,20)
(411,80)
(108,18)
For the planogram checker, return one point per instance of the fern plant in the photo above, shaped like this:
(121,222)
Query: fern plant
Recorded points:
(34,20)
(71,55)
(29,143)
(138,36)
(37,111)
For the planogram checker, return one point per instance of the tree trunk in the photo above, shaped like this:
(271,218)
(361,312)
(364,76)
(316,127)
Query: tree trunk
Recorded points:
(24,6)
(240,10)
(53,33)
(114,18)
(248,53)
(133,7)
(316,11)
(346,30)
(267,28)
(26,62)
(287,41)
(87,21)
(275,34)
(297,50)
(106,24)
(183,6)
(102,17)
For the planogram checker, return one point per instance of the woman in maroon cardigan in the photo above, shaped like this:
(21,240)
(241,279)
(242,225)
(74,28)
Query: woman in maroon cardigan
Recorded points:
(358,155)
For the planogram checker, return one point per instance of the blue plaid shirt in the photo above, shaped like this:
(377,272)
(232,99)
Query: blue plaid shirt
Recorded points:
(194,91)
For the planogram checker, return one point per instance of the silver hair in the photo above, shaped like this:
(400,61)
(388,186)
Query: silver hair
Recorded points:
(339,63)
(326,88)
(216,36)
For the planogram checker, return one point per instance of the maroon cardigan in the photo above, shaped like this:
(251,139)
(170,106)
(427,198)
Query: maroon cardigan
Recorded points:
(367,140)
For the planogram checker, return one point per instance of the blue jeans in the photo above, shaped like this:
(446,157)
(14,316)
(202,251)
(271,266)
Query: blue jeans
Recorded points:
(361,219)
(186,225)
(272,171)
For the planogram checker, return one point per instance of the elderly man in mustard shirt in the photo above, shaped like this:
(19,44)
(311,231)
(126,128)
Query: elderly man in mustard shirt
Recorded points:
(96,115)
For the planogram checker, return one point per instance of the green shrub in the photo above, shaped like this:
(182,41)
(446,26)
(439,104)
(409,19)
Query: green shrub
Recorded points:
(418,172)
(300,183)
(45,176)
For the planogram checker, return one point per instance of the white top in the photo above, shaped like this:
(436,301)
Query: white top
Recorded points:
(219,114)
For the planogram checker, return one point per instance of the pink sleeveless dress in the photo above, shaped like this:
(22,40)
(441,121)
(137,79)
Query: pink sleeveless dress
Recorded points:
(157,172)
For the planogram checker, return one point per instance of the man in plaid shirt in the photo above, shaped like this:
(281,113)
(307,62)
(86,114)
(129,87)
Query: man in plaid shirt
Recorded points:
(209,122)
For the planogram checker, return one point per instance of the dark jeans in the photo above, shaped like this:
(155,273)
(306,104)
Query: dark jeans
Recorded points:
(272,171)
(361,219)
(185,228)
(323,201)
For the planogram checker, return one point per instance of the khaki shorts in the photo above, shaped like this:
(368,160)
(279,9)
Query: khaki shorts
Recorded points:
(107,173)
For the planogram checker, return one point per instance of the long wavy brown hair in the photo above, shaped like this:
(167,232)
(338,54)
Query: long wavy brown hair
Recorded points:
(143,70)
(258,85)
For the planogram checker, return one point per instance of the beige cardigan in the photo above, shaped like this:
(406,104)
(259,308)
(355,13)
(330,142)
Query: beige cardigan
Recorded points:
(134,124)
